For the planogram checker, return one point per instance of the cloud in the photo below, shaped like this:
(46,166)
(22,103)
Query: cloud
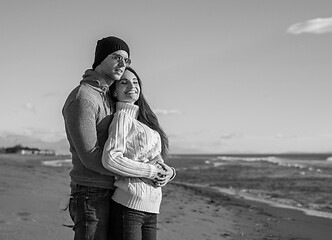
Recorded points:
(229,136)
(29,107)
(167,112)
(315,26)
(43,134)
(241,143)
(174,136)
(284,136)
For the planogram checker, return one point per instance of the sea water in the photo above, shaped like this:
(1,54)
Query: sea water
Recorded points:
(301,181)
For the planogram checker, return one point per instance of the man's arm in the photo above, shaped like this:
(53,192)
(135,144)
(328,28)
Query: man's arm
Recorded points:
(80,121)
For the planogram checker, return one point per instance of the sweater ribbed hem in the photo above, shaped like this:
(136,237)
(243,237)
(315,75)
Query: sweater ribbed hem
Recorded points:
(153,172)
(144,204)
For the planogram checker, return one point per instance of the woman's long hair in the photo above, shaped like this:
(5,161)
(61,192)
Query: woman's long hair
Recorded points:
(145,113)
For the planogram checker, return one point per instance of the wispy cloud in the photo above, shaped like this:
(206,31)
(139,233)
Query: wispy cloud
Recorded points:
(242,143)
(229,136)
(167,112)
(29,107)
(315,26)
(43,134)
(284,136)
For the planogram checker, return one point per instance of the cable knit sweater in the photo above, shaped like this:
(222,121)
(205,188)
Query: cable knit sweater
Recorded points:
(129,142)
(87,116)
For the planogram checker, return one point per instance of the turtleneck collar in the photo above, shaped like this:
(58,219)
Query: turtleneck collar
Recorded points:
(130,109)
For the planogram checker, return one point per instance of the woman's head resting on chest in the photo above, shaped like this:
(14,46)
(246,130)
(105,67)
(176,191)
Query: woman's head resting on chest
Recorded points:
(128,88)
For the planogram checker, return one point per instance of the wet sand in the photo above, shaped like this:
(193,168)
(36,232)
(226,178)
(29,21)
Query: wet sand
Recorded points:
(31,193)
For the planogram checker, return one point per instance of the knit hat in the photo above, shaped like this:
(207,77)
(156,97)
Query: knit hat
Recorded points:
(107,46)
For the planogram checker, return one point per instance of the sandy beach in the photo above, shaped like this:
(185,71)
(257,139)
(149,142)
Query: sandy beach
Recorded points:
(31,194)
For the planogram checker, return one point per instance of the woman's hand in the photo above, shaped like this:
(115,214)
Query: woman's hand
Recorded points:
(164,176)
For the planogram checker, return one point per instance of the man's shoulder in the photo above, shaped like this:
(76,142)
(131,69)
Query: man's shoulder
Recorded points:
(84,91)
(83,94)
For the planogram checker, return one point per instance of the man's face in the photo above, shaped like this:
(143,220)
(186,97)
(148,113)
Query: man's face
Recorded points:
(115,64)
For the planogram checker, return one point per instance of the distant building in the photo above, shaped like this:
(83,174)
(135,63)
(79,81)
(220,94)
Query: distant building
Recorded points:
(46,152)
(29,151)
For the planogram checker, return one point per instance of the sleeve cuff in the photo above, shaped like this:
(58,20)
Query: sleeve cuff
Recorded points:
(153,171)
(174,174)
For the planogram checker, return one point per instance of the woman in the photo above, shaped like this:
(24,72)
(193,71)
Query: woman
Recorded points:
(135,137)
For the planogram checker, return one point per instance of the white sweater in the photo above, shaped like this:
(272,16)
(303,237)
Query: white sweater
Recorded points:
(130,146)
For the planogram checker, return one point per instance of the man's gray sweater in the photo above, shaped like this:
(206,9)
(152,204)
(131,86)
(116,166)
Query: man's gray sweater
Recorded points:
(87,116)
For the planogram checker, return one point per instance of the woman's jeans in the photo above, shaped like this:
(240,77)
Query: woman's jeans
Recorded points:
(130,224)
(90,210)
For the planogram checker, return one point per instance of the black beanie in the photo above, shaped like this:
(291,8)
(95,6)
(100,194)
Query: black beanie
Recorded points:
(106,46)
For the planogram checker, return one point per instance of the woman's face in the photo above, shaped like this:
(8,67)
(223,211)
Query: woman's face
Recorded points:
(127,89)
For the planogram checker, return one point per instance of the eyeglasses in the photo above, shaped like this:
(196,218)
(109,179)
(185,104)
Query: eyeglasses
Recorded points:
(119,59)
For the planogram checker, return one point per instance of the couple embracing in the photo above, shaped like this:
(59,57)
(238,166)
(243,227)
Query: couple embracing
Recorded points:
(117,148)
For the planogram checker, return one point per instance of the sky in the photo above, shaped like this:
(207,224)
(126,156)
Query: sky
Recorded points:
(224,76)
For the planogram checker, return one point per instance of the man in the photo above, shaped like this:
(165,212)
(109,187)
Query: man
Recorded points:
(87,116)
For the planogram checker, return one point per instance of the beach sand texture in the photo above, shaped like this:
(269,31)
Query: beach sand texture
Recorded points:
(31,193)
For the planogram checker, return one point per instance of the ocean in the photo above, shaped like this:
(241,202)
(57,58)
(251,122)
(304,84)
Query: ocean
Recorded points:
(301,181)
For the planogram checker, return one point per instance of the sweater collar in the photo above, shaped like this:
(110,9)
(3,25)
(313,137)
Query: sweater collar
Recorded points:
(130,109)
(95,80)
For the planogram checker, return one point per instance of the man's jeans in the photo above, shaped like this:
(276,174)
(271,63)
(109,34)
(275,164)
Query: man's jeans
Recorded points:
(90,210)
(130,224)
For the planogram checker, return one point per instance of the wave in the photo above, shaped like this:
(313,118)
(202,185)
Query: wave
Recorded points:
(248,159)
(245,194)
(57,163)
(310,165)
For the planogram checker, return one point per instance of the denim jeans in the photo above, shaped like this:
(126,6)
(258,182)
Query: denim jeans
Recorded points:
(90,210)
(130,224)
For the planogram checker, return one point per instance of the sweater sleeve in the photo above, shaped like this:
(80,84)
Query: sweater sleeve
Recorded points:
(113,158)
(81,126)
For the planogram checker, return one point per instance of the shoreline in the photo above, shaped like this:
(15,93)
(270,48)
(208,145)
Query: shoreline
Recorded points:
(31,194)
(252,197)
(253,220)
